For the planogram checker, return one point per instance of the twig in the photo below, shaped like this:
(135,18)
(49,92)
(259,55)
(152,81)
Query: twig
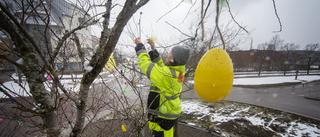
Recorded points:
(217,24)
(233,17)
(276,12)
(201,21)
(178,29)
(178,43)
(188,12)
(204,15)
(169,11)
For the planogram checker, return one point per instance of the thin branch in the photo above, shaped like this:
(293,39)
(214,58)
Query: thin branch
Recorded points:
(11,97)
(169,11)
(177,43)
(233,17)
(78,45)
(211,39)
(188,12)
(23,31)
(67,35)
(217,24)
(202,17)
(178,29)
(276,12)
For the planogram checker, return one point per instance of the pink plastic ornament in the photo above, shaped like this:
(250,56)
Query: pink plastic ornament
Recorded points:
(1,120)
(49,78)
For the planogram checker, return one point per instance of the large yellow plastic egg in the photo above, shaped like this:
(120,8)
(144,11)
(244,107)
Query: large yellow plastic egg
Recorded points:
(214,75)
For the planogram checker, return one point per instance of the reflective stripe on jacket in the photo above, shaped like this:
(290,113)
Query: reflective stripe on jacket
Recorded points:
(165,89)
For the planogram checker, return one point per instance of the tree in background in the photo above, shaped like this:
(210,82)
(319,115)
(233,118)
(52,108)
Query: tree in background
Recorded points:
(288,54)
(37,60)
(263,50)
(275,44)
(311,51)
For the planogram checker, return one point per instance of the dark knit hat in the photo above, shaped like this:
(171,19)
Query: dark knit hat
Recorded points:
(181,54)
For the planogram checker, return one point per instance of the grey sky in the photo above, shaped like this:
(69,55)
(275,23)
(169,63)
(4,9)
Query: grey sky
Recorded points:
(300,20)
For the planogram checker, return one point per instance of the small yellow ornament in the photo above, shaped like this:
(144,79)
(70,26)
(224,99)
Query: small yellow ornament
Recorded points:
(123,128)
(153,39)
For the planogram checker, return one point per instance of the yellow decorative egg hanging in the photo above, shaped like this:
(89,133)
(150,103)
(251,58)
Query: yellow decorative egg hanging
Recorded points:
(123,128)
(214,75)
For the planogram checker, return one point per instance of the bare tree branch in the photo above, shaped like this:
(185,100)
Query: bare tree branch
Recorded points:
(178,29)
(67,35)
(188,12)
(217,23)
(233,17)
(276,12)
(169,11)
(202,18)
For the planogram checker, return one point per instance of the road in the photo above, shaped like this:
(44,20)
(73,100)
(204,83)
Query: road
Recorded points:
(285,98)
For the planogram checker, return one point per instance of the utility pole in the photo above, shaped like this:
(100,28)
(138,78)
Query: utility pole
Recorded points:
(140,25)
(250,53)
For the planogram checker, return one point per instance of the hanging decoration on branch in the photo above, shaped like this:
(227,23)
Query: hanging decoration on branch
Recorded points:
(125,91)
(223,2)
(181,78)
(214,75)
(20,123)
(153,39)
(123,127)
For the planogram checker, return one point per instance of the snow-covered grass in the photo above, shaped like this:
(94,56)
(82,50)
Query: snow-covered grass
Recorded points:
(271,80)
(201,113)
(69,82)
(274,80)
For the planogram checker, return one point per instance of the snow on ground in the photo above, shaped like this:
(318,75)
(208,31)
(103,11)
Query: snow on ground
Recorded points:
(274,80)
(200,111)
(271,80)
(72,82)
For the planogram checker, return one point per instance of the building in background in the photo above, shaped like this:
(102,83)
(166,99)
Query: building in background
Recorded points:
(46,21)
(253,60)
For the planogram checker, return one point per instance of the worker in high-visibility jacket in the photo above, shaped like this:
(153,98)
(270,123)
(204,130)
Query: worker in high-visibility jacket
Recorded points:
(164,106)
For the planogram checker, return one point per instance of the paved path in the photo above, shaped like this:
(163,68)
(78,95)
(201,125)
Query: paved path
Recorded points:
(286,98)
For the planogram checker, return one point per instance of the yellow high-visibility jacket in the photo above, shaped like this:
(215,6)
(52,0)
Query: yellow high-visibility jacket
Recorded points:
(164,97)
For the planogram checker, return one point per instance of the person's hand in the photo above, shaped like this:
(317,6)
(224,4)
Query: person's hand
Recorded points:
(137,40)
(151,43)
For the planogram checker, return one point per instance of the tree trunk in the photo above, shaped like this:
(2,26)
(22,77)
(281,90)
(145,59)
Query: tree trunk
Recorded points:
(308,66)
(47,101)
(99,60)
(81,109)
(260,66)
(32,71)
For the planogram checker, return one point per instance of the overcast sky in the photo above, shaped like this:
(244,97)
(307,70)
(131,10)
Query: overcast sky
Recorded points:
(300,21)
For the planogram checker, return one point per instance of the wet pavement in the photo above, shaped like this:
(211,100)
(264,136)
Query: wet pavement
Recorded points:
(302,99)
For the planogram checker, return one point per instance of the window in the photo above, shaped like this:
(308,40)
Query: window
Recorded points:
(74,65)
(58,31)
